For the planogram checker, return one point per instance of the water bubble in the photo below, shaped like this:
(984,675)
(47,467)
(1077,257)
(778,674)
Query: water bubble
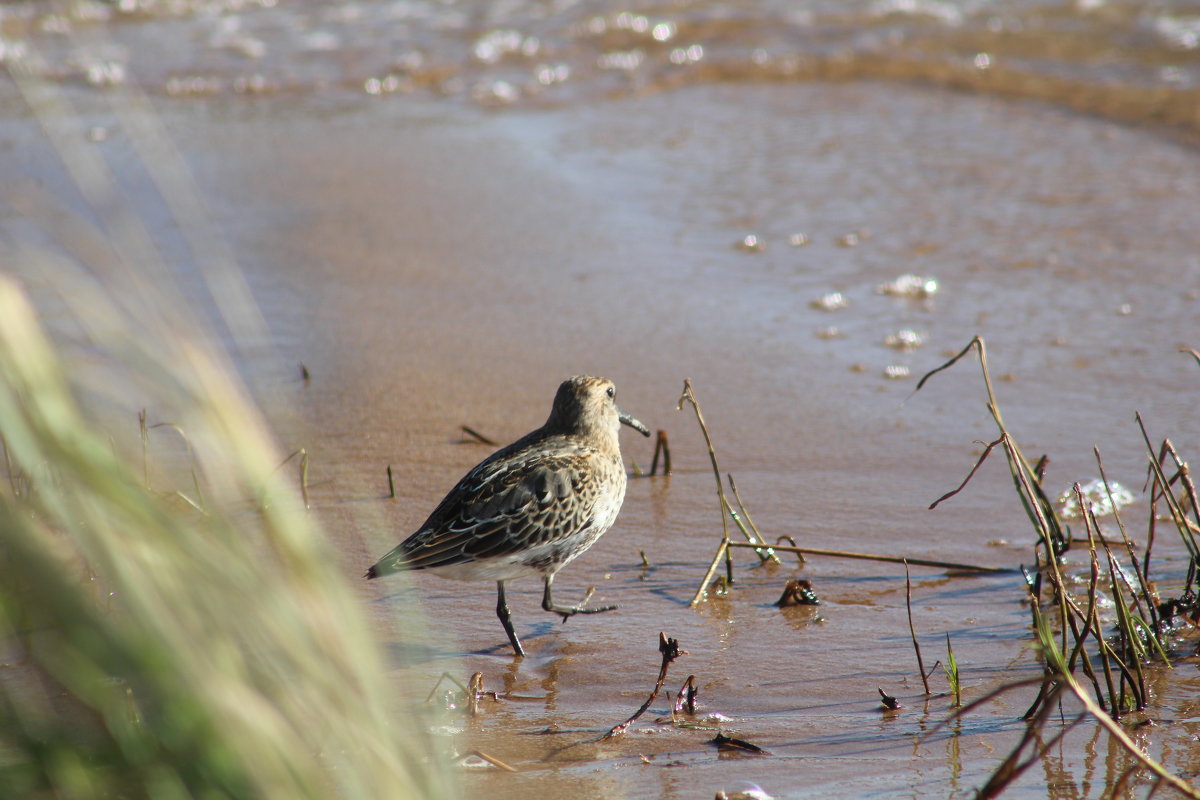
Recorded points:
(548,74)
(388,84)
(905,339)
(496,44)
(637,23)
(909,285)
(627,60)
(183,85)
(798,239)
(830,332)
(944,12)
(896,372)
(982,61)
(750,243)
(686,55)
(104,73)
(663,31)
(1095,495)
(253,84)
(1180,33)
(495,92)
(833,301)
(1125,309)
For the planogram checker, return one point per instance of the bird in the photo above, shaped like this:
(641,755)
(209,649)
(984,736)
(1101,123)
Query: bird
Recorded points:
(532,507)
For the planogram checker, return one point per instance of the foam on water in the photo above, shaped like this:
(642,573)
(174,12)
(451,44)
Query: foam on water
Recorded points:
(1119,59)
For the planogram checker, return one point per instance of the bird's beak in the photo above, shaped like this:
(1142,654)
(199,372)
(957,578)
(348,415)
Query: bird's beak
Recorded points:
(632,422)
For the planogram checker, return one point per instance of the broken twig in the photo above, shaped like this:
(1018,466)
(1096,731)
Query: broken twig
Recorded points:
(670,651)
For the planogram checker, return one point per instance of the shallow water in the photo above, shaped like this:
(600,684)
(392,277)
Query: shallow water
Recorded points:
(435,263)
(1130,60)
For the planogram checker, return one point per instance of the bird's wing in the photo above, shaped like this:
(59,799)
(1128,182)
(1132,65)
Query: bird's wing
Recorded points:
(501,507)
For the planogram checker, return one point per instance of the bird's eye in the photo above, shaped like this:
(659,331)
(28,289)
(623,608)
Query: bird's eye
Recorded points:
(612,392)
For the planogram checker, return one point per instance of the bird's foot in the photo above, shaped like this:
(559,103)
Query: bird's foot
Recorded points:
(569,611)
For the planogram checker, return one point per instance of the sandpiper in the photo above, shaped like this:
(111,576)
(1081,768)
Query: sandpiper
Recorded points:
(532,507)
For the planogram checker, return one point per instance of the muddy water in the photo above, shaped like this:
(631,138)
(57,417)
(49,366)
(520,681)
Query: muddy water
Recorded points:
(434,261)
(440,266)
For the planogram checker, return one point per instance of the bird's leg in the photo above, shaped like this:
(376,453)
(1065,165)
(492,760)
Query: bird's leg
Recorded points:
(569,611)
(506,620)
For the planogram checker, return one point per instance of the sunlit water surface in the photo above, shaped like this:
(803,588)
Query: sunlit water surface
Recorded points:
(443,209)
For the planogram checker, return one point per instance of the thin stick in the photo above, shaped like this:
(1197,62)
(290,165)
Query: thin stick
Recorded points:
(912,629)
(921,562)
(689,396)
(304,476)
(469,431)
(764,553)
(670,651)
(799,555)
(391,483)
(495,762)
(722,552)
(1151,607)
(661,446)
(1118,733)
(191,458)
(745,513)
(971,474)
(1011,768)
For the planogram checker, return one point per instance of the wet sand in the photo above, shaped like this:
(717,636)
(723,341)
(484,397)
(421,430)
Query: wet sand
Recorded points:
(434,266)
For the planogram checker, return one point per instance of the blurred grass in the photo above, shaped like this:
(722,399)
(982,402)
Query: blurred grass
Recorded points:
(166,653)
(150,648)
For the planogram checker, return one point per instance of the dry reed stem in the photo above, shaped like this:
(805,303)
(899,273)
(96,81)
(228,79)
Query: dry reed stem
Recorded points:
(1177,514)
(689,396)
(1012,767)
(913,630)
(1026,478)
(495,762)
(769,554)
(1151,606)
(1118,733)
(921,562)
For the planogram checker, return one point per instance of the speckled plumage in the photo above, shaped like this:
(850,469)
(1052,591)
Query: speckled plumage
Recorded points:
(533,506)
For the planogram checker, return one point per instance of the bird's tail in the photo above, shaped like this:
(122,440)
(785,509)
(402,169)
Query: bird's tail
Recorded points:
(393,562)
